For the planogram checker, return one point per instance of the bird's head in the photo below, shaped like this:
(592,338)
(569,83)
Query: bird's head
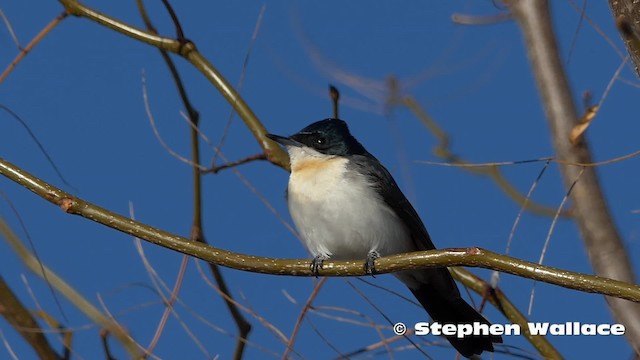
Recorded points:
(324,138)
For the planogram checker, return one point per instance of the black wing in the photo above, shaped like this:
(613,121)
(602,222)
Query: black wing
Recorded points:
(390,192)
(435,290)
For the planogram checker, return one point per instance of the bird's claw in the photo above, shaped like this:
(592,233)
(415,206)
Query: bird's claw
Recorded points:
(370,263)
(316,264)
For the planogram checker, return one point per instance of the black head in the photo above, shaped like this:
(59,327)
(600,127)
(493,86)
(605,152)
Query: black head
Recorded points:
(328,136)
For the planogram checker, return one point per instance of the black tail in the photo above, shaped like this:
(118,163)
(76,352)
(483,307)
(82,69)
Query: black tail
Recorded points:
(448,309)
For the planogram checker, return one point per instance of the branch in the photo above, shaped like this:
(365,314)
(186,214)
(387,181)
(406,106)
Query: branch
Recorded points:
(473,257)
(216,169)
(44,32)
(443,151)
(197,234)
(627,13)
(508,309)
(602,241)
(69,292)
(188,50)
(12,309)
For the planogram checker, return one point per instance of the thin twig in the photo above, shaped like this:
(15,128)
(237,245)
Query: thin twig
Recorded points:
(196,229)
(334,94)
(373,305)
(613,44)
(543,159)
(321,311)
(583,11)
(33,43)
(188,50)
(70,293)
(495,277)
(279,335)
(10,28)
(248,184)
(217,169)
(156,132)
(169,303)
(301,316)
(501,302)
(35,254)
(443,151)
(547,241)
(517,221)
(243,74)
(33,137)
(175,20)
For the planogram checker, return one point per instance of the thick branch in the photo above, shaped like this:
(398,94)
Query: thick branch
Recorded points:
(473,257)
(602,241)
(630,11)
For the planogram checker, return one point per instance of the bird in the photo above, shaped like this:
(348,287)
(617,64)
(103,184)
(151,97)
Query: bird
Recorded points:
(346,206)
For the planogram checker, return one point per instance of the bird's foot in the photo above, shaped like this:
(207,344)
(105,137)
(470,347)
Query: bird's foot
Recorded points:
(316,264)
(370,263)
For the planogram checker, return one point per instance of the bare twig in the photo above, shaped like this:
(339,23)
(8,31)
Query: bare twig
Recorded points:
(216,169)
(603,243)
(243,74)
(244,327)
(35,254)
(547,241)
(373,305)
(279,335)
(334,94)
(506,307)
(543,159)
(33,43)
(188,50)
(161,287)
(71,294)
(67,335)
(156,132)
(595,26)
(247,183)
(443,151)
(168,303)
(7,23)
(174,19)
(583,11)
(495,277)
(12,309)
(303,313)
(33,136)
(517,220)
(591,111)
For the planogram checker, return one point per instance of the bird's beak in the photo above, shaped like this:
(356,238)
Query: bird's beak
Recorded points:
(286,141)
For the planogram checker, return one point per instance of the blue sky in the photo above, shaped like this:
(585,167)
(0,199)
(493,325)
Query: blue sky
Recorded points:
(80,90)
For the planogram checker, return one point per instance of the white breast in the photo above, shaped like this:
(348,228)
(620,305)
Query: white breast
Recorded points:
(339,214)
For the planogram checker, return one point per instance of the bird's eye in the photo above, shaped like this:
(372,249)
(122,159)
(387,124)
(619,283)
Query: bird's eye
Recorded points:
(321,141)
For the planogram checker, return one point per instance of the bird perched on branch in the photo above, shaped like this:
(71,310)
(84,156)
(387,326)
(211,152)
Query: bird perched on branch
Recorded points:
(346,206)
